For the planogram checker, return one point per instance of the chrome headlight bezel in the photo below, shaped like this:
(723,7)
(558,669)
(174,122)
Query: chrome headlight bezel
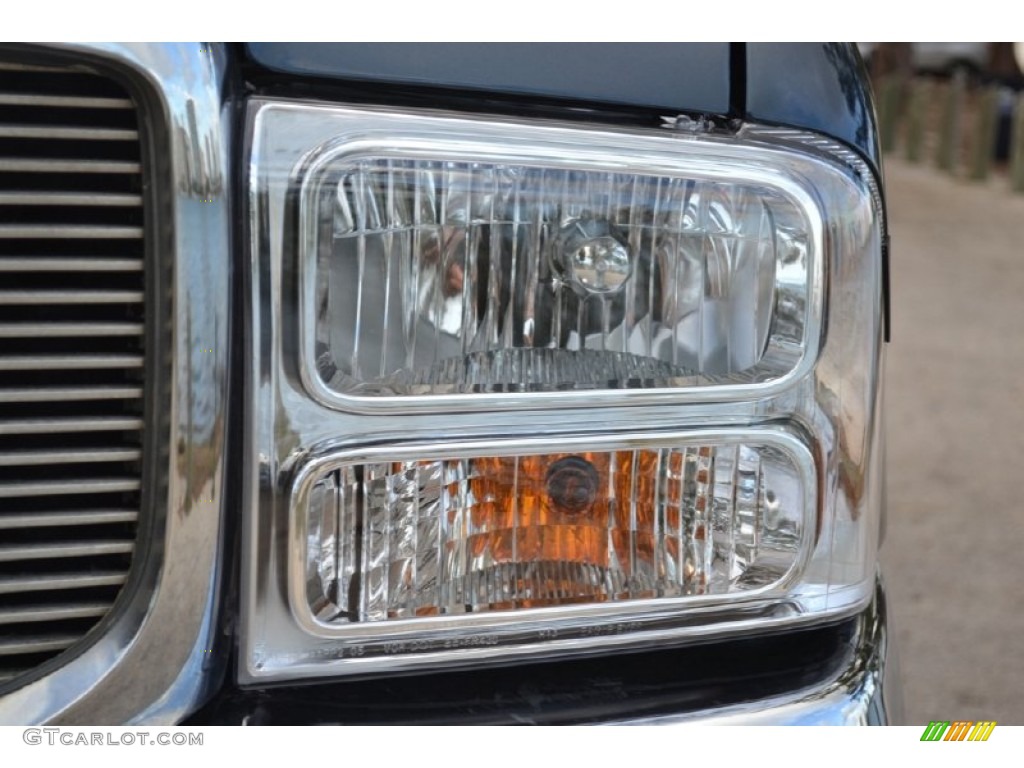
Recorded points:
(345,133)
(826,405)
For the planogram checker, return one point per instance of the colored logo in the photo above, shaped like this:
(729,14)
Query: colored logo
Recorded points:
(958,730)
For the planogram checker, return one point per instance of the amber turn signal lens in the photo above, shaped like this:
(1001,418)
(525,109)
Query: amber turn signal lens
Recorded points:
(432,537)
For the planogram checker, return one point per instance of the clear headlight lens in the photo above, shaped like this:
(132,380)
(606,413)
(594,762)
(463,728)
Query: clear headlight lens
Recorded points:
(533,388)
(440,276)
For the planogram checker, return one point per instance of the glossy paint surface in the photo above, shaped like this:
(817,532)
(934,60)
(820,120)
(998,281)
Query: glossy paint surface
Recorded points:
(663,75)
(815,86)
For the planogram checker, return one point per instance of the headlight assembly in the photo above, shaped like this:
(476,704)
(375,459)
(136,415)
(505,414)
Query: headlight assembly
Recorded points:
(533,388)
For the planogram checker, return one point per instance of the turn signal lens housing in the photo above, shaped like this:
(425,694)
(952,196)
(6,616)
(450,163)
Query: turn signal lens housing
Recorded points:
(436,537)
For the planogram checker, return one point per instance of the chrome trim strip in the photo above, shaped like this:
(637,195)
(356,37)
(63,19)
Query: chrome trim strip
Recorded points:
(79,264)
(68,456)
(83,102)
(57,394)
(149,663)
(73,166)
(71,297)
(68,487)
(55,581)
(68,362)
(62,330)
(63,549)
(80,424)
(68,232)
(85,134)
(54,612)
(70,517)
(37,644)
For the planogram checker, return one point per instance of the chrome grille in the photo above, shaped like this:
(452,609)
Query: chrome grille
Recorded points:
(72,357)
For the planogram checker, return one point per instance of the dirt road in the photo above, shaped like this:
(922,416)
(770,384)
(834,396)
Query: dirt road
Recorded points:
(954,554)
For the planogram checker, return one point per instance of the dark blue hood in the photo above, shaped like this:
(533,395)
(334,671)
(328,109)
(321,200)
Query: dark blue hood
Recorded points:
(818,86)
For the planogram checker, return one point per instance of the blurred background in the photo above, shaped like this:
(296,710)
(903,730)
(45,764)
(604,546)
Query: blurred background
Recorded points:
(951,122)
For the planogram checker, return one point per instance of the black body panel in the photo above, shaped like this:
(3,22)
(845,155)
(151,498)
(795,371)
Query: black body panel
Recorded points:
(822,87)
(672,681)
(818,86)
(669,76)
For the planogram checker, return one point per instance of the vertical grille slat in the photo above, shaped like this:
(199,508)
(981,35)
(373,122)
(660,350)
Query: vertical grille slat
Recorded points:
(73,317)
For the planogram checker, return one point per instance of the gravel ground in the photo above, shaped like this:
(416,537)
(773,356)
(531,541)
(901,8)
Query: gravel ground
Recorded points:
(954,552)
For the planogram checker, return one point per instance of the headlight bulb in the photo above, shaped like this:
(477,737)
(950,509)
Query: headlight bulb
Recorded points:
(593,258)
